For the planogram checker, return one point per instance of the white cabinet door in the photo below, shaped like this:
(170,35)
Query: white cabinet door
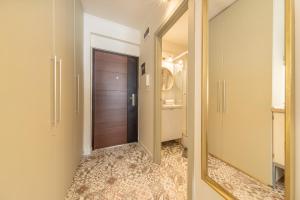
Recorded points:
(215,114)
(246,66)
(172,124)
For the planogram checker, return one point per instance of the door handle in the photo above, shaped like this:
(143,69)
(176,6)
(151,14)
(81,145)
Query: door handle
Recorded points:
(60,88)
(57,105)
(132,98)
(54,91)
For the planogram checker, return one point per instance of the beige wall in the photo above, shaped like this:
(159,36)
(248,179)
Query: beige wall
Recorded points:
(199,189)
(37,162)
(146,94)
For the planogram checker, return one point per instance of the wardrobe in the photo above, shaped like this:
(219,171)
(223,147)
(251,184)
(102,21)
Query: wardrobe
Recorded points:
(41,97)
(240,88)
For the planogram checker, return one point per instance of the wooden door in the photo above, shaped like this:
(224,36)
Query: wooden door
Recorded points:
(111,96)
(45,153)
(25,70)
(132,88)
(63,49)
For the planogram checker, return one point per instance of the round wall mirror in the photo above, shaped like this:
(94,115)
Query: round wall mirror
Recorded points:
(167,79)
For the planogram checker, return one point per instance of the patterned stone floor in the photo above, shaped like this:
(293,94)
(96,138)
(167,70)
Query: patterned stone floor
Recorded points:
(240,185)
(127,173)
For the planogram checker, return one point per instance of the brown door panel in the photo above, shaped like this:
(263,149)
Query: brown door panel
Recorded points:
(111,116)
(110,100)
(110,57)
(110,137)
(114,113)
(110,81)
(110,66)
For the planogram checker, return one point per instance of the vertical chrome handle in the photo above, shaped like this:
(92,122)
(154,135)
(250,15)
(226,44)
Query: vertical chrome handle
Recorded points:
(60,88)
(132,100)
(224,96)
(55,91)
(78,93)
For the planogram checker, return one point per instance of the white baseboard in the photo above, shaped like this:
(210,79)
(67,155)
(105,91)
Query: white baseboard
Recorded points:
(87,151)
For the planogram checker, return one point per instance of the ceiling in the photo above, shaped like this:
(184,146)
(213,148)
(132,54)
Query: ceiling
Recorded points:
(178,34)
(132,13)
(217,6)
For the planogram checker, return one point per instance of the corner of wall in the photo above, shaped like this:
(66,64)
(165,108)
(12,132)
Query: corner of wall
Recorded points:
(146,149)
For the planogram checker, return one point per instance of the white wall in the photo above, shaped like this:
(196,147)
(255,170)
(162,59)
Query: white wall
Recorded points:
(109,36)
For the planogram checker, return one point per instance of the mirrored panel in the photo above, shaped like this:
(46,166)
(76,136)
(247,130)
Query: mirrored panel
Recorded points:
(167,79)
(245,114)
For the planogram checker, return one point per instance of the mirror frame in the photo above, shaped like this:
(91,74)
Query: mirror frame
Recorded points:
(289,99)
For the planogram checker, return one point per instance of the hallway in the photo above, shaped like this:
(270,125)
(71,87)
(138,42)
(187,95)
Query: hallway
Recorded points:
(95,93)
(127,172)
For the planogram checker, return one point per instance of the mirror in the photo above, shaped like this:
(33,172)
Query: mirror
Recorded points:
(245,100)
(167,79)
(179,79)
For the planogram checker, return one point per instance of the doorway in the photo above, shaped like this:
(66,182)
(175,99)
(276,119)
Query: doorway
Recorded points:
(114,99)
(172,131)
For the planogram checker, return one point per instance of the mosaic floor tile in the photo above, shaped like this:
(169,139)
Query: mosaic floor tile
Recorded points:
(241,185)
(127,172)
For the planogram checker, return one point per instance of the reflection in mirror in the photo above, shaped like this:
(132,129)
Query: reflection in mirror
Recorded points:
(167,79)
(246,90)
(179,75)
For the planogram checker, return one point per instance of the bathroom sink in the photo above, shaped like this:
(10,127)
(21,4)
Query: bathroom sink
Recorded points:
(172,106)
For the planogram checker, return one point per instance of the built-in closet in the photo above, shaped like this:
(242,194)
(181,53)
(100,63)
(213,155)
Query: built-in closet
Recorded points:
(41,97)
(240,90)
